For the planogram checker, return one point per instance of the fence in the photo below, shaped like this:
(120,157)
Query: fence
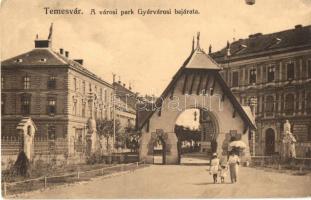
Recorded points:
(45,181)
(43,149)
(275,161)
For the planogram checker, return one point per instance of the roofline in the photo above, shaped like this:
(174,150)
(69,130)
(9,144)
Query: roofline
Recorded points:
(220,59)
(66,64)
(241,111)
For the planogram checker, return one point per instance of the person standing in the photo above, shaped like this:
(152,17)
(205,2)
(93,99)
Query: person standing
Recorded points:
(214,169)
(234,163)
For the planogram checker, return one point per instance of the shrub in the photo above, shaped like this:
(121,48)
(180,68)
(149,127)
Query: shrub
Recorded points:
(22,165)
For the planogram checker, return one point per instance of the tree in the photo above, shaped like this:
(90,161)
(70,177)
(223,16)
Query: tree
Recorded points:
(104,129)
(132,138)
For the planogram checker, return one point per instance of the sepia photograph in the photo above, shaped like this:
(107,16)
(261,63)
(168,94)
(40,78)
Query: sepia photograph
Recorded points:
(155,99)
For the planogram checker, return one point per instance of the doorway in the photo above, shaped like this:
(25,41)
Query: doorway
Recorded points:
(270,142)
(197,136)
(159,151)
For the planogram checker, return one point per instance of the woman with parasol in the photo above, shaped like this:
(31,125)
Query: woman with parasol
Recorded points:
(234,160)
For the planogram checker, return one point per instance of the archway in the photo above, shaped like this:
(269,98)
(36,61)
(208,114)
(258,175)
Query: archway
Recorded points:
(196,130)
(270,141)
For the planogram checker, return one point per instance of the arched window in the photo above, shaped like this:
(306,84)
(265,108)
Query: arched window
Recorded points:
(308,106)
(289,104)
(269,105)
(29,130)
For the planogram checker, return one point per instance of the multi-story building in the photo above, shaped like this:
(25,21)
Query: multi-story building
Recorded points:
(58,93)
(276,69)
(125,104)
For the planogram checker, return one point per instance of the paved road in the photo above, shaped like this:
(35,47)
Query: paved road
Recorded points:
(184,181)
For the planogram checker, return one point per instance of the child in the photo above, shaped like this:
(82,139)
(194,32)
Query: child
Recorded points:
(214,167)
(223,172)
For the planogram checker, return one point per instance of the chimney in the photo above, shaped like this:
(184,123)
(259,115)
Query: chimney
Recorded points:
(123,84)
(42,43)
(80,61)
(61,51)
(298,26)
(66,54)
(210,49)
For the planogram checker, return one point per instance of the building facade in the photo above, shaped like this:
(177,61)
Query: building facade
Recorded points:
(125,104)
(59,94)
(276,70)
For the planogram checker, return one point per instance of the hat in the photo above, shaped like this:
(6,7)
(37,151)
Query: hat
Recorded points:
(214,154)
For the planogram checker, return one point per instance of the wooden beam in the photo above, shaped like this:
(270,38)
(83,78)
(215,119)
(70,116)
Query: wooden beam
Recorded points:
(223,96)
(199,86)
(206,84)
(172,91)
(185,84)
(147,126)
(234,112)
(245,128)
(213,87)
(160,111)
(192,82)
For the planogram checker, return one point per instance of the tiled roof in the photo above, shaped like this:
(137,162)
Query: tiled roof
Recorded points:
(200,60)
(41,57)
(126,95)
(47,57)
(298,37)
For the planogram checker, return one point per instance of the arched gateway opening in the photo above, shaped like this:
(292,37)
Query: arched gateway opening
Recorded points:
(196,130)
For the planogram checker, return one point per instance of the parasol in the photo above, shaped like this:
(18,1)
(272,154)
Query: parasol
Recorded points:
(238,144)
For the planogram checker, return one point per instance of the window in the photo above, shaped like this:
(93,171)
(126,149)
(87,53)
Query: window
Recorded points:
(106,113)
(269,105)
(2,106)
(309,68)
(2,82)
(51,106)
(309,133)
(75,84)
(95,113)
(235,79)
(101,93)
(74,108)
(90,87)
(308,106)
(289,104)
(290,71)
(52,82)
(252,76)
(101,113)
(26,81)
(105,96)
(52,132)
(83,87)
(271,71)
(25,105)
(83,108)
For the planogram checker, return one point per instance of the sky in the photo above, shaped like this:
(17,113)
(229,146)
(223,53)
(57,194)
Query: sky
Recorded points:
(187,119)
(144,50)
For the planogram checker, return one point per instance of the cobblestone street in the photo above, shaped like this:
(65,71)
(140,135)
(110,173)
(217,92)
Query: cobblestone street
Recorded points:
(184,181)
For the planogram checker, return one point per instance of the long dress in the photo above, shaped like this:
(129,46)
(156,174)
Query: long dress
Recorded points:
(233,166)
(214,166)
